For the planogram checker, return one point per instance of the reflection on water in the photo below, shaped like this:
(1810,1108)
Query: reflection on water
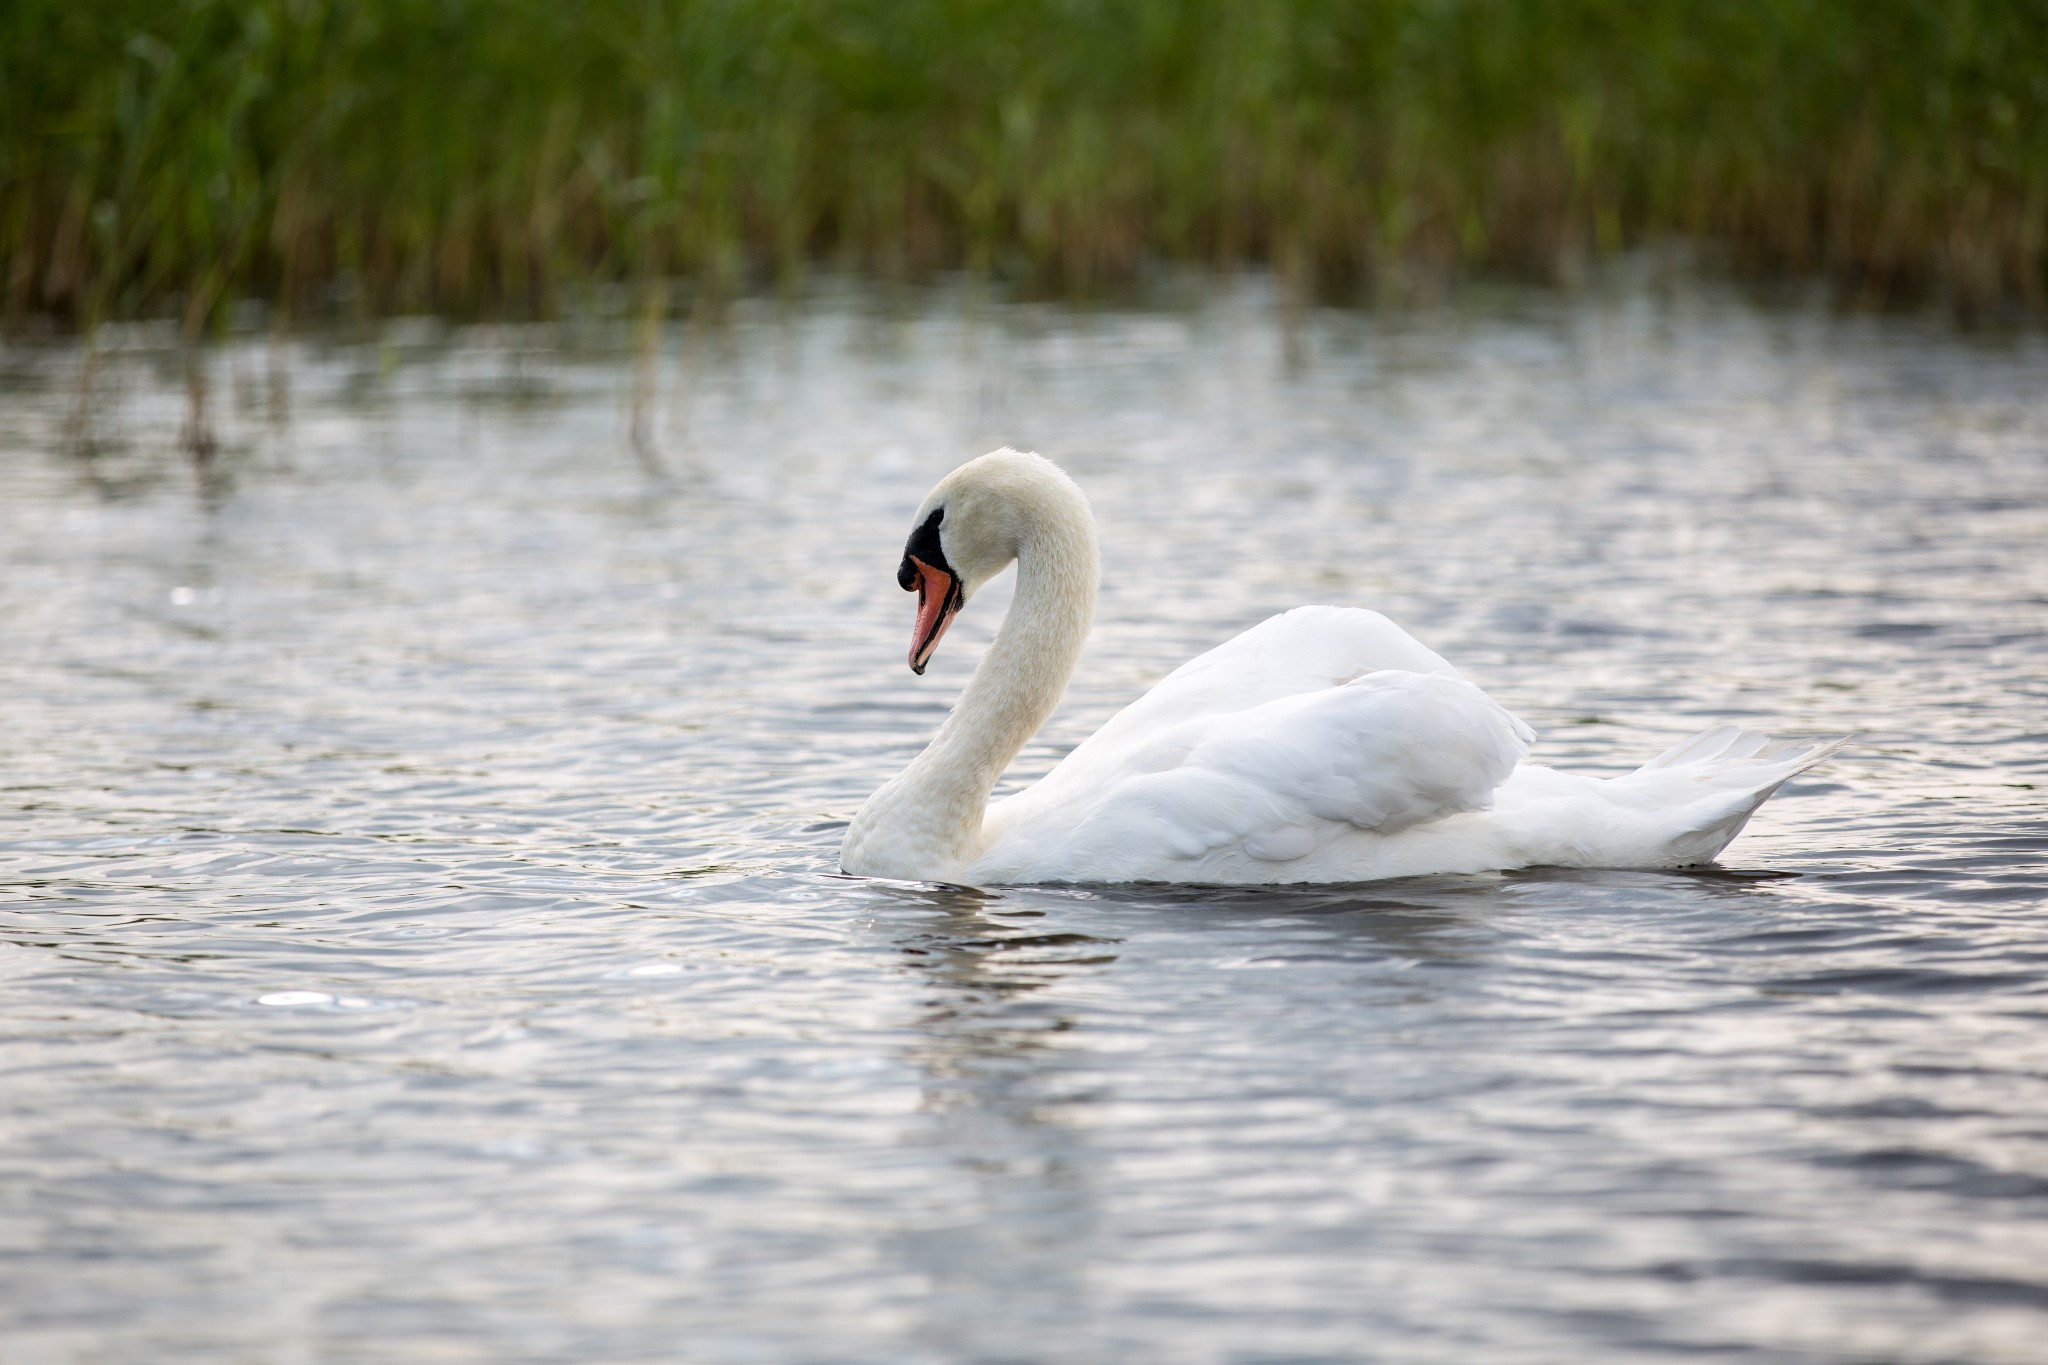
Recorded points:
(420,930)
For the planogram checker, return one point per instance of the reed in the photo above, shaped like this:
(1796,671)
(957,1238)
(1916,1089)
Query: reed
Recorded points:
(484,156)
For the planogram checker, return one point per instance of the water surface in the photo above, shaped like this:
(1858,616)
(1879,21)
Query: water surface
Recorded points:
(418,915)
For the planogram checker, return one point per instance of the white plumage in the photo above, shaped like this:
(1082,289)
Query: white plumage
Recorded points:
(1323,745)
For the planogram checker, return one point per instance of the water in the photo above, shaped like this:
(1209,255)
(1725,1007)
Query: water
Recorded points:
(421,936)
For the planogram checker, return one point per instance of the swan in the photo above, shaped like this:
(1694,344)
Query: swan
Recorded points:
(1325,744)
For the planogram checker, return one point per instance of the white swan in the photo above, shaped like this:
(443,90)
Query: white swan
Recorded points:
(1323,745)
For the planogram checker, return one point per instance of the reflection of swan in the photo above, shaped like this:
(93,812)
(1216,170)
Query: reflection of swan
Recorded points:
(1324,745)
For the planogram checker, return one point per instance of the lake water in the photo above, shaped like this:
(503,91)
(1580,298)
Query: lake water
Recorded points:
(420,936)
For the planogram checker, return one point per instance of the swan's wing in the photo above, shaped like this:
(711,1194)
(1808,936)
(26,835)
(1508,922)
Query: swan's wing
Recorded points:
(1273,781)
(1308,649)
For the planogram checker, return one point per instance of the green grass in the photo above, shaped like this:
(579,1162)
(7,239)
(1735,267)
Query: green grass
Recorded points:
(484,156)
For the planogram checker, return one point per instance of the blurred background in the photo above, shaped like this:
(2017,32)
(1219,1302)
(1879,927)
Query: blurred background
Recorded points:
(165,158)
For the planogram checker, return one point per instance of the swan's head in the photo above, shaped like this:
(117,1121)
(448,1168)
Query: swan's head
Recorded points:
(972,526)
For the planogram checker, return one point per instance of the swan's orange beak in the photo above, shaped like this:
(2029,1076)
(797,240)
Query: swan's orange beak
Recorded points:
(938,602)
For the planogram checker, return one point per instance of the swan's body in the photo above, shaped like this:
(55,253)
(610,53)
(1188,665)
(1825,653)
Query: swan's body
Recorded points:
(1323,745)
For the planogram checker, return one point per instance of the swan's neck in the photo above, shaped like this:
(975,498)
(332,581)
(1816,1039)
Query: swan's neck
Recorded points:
(926,824)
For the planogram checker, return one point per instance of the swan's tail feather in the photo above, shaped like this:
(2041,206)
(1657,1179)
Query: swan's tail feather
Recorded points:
(1732,743)
(1718,779)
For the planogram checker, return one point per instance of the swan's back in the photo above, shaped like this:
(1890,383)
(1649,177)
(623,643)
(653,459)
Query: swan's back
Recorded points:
(1262,759)
(1303,650)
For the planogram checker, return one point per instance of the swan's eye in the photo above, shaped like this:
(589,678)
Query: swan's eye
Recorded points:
(925,547)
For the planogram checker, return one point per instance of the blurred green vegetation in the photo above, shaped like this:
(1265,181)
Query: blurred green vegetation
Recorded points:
(483,156)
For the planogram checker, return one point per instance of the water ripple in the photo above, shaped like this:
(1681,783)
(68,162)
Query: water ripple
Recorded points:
(421,933)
